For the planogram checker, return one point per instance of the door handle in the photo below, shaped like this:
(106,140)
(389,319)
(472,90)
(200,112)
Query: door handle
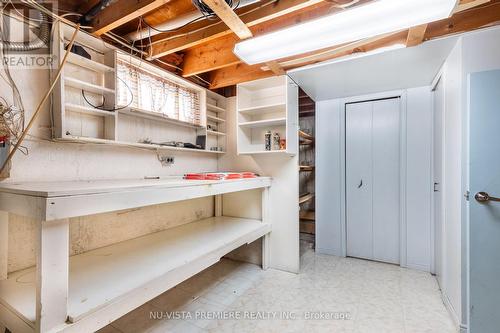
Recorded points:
(484,197)
(360,184)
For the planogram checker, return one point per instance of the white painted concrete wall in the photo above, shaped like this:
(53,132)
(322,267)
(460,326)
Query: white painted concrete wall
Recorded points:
(284,194)
(62,161)
(418,181)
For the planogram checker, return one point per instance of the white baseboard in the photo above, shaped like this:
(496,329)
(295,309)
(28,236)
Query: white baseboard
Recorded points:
(418,267)
(452,312)
(331,252)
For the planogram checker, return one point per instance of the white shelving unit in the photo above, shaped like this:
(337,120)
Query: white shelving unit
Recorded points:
(85,292)
(78,121)
(267,105)
(216,140)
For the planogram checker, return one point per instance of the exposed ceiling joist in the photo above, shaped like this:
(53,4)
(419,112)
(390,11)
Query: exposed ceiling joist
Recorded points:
(122,12)
(416,35)
(164,43)
(218,53)
(229,17)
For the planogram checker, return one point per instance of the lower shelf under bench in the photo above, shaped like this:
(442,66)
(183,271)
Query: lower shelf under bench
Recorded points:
(134,271)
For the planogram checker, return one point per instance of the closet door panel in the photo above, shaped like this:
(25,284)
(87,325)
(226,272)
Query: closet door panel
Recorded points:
(359,180)
(386,180)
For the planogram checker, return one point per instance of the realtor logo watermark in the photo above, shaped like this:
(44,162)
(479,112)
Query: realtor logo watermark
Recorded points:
(249,315)
(26,37)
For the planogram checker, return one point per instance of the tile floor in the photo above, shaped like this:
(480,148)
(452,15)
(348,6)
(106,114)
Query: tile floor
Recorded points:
(331,294)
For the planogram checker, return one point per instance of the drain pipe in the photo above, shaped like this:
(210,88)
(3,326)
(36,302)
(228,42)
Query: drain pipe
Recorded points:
(175,23)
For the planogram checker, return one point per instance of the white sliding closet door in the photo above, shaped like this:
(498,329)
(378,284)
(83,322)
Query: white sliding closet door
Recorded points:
(373,179)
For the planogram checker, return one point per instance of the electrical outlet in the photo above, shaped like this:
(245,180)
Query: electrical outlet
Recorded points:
(166,160)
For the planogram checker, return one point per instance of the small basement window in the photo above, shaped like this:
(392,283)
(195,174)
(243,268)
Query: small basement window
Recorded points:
(143,90)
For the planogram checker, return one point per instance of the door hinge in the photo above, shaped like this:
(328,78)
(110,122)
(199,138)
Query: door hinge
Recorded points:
(467,195)
(436,187)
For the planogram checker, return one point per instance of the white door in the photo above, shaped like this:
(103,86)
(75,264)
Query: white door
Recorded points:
(484,224)
(373,179)
(438,181)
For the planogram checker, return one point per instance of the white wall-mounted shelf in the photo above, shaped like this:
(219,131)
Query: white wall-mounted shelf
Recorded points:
(264,123)
(98,76)
(86,86)
(89,64)
(215,119)
(215,108)
(267,105)
(209,132)
(88,110)
(264,109)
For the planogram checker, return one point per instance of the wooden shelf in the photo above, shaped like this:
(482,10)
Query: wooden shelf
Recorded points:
(215,108)
(264,152)
(88,110)
(215,133)
(305,136)
(264,123)
(126,269)
(89,87)
(215,119)
(306,168)
(89,64)
(308,227)
(305,198)
(308,215)
(81,139)
(271,108)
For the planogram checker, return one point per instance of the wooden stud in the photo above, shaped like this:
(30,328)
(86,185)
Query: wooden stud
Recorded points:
(416,35)
(197,34)
(52,274)
(229,17)
(4,242)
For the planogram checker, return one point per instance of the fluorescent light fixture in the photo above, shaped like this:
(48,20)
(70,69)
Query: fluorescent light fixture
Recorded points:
(370,20)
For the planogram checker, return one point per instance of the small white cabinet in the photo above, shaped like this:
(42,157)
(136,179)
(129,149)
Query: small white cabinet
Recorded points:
(264,105)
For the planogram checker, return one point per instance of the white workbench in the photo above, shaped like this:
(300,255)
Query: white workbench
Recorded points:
(85,292)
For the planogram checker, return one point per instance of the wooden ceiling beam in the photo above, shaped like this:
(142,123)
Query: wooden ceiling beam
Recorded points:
(229,17)
(122,12)
(467,20)
(218,53)
(416,35)
(235,74)
(197,34)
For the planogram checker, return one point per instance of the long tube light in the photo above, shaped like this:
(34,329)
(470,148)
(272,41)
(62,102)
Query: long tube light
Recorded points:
(370,20)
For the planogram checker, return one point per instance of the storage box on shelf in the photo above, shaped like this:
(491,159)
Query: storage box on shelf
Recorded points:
(90,81)
(263,106)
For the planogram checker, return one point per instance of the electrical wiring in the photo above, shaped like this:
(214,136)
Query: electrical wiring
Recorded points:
(42,102)
(174,29)
(101,107)
(207,12)
(166,39)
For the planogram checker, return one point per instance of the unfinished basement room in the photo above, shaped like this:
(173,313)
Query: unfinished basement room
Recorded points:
(266,166)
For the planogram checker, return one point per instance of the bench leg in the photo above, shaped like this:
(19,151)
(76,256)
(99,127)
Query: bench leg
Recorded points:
(52,272)
(4,245)
(265,219)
